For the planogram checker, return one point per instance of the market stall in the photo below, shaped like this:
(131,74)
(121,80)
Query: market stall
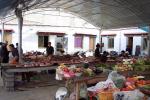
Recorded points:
(132,73)
(37,62)
(127,76)
(9,70)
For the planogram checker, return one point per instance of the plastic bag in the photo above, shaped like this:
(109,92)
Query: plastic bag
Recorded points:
(61,93)
(59,74)
(102,85)
(129,95)
(117,79)
(72,96)
(98,86)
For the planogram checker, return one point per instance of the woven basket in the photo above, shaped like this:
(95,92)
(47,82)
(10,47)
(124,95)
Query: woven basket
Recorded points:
(106,95)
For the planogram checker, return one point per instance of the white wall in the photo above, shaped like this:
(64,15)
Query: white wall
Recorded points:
(49,20)
(123,43)
(86,43)
(120,40)
(30,37)
(70,42)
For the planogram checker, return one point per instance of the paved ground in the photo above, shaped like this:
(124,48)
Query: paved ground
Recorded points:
(40,93)
(32,91)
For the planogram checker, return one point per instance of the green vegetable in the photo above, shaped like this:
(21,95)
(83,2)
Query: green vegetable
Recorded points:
(146,87)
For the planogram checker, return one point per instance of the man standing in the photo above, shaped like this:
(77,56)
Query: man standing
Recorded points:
(49,49)
(97,50)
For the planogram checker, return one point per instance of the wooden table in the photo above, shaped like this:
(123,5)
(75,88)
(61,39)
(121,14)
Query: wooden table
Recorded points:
(88,80)
(9,70)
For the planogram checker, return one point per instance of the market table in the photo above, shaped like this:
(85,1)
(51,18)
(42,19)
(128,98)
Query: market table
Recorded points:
(9,70)
(87,80)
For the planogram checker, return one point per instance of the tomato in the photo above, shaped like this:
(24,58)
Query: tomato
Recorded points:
(65,69)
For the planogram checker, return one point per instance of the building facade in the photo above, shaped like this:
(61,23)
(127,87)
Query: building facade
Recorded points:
(64,30)
(119,39)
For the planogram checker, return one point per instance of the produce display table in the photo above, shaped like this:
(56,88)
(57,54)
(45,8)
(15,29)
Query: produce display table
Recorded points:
(146,74)
(9,70)
(87,80)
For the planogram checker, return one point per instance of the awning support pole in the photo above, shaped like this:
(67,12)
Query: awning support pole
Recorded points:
(2,36)
(149,44)
(100,39)
(20,24)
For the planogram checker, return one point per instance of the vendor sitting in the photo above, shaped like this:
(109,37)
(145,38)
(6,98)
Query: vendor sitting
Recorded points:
(124,54)
(104,56)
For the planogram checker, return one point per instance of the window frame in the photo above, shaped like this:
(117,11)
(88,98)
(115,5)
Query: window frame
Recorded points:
(42,46)
(111,46)
(75,44)
(93,41)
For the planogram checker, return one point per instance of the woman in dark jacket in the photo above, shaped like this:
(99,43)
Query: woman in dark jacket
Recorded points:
(13,54)
(4,53)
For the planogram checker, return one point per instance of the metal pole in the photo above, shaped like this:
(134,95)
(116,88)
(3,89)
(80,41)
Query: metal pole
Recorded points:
(149,44)
(3,31)
(100,38)
(20,23)
(101,43)
(120,42)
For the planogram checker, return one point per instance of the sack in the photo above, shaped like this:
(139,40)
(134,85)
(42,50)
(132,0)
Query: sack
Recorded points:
(128,95)
(72,96)
(83,91)
(59,74)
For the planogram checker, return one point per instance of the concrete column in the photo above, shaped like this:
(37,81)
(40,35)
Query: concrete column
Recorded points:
(120,42)
(18,12)
(100,39)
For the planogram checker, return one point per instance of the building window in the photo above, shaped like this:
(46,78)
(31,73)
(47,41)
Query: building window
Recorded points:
(144,43)
(78,41)
(111,42)
(42,41)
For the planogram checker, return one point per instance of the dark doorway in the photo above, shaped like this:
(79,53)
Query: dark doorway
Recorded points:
(130,43)
(45,41)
